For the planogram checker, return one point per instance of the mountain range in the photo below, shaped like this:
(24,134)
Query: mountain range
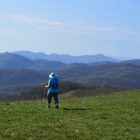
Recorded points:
(18,73)
(65,58)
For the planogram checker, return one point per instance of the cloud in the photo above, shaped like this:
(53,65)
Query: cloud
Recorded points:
(97,33)
(38,22)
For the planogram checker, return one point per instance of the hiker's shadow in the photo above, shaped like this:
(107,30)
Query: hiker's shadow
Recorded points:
(80,109)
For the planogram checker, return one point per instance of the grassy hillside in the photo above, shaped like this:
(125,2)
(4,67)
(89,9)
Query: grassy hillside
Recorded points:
(115,117)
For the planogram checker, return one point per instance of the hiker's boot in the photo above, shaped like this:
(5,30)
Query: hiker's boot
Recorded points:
(48,106)
(57,107)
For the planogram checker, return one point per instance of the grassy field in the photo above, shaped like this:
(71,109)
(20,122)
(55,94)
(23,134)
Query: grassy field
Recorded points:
(113,117)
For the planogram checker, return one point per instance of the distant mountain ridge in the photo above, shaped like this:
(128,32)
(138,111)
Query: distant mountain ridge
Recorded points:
(16,61)
(65,58)
(9,60)
(19,72)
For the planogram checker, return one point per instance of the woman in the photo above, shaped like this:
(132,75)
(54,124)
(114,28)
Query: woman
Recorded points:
(53,89)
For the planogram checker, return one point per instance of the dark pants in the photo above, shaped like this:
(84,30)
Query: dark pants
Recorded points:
(52,95)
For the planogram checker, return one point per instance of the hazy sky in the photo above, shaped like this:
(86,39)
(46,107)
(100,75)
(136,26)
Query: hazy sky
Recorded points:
(75,27)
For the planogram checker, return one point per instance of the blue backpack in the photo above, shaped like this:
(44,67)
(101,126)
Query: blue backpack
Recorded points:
(54,83)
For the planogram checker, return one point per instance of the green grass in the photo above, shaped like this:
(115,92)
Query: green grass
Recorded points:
(114,117)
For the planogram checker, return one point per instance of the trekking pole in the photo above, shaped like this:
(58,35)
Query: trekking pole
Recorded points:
(44,93)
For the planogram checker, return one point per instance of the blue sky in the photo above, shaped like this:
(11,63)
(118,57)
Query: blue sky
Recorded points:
(75,27)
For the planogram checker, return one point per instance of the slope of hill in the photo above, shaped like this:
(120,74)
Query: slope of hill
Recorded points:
(18,72)
(32,55)
(102,117)
(67,88)
(64,58)
(15,61)
(119,74)
(133,61)
(17,81)
(21,77)
(9,60)
(44,65)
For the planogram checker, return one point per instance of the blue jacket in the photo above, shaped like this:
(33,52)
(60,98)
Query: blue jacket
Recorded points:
(53,85)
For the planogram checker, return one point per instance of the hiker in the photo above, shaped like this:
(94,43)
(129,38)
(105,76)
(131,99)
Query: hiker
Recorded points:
(53,89)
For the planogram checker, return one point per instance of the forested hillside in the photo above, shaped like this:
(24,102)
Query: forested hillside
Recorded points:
(19,74)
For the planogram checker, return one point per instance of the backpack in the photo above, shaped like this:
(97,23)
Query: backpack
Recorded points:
(54,83)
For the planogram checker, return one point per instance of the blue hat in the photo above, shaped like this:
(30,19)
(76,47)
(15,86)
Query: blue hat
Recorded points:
(52,75)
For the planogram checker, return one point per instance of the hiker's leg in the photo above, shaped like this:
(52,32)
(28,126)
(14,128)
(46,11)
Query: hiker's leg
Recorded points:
(49,97)
(56,100)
